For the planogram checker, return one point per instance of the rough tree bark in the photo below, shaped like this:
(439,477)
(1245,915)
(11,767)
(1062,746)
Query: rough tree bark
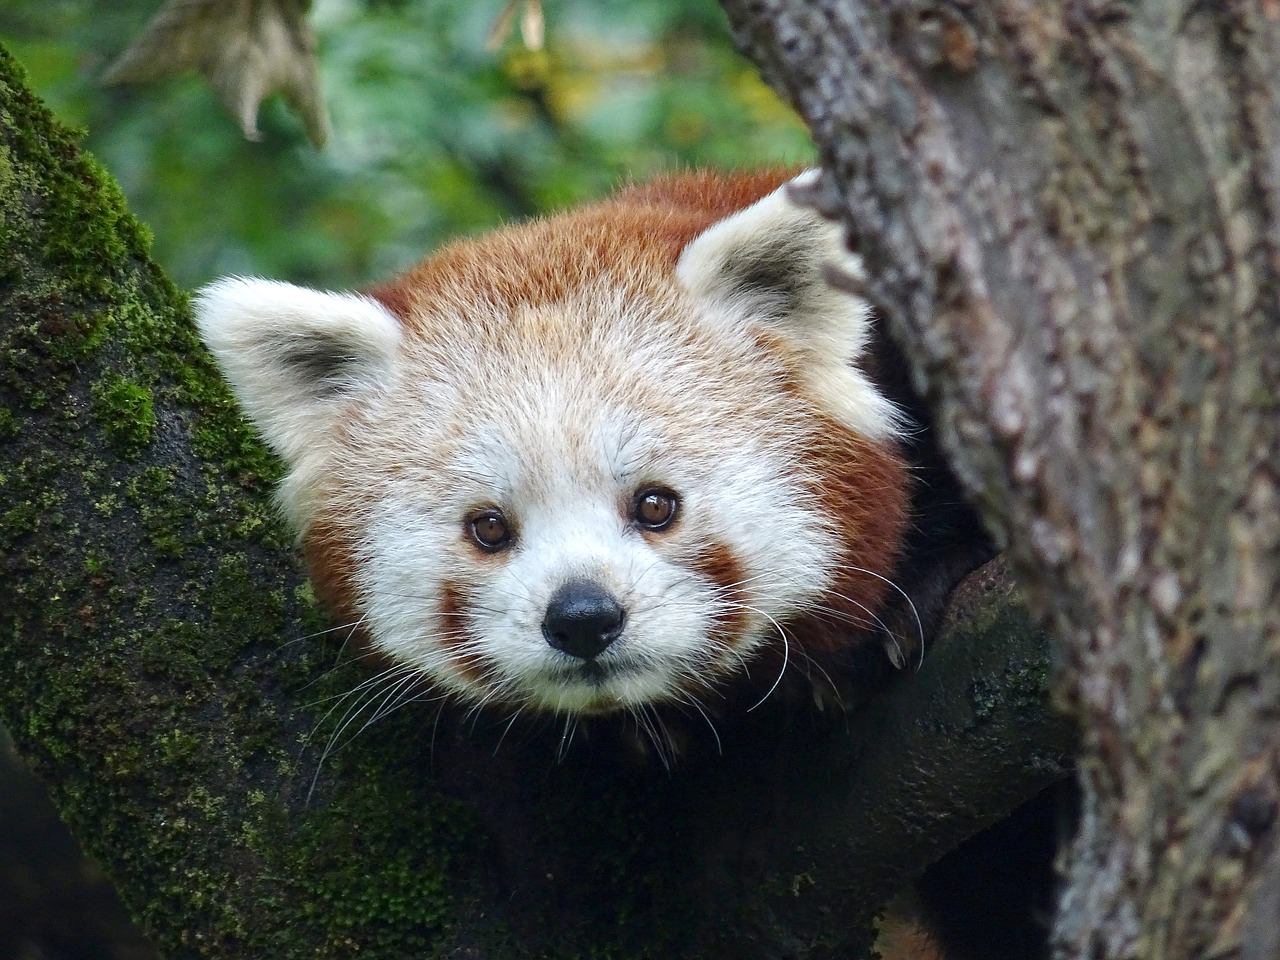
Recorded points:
(1071,215)
(168,676)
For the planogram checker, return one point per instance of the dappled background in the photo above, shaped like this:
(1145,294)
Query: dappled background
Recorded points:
(442,124)
(435,132)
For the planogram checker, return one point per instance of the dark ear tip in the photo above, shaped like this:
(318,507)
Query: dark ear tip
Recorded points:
(769,257)
(816,190)
(845,279)
(782,268)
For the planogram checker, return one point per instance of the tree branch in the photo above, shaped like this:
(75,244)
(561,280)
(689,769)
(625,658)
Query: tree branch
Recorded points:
(169,677)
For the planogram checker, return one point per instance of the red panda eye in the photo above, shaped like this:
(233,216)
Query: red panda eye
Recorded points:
(489,530)
(655,508)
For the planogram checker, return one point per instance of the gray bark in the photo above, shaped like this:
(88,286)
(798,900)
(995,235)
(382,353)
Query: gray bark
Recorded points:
(1071,218)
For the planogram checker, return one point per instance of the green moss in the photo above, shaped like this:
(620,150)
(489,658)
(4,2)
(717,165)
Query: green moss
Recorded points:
(144,667)
(402,903)
(126,411)
(171,522)
(85,231)
(108,505)
(21,519)
(1022,683)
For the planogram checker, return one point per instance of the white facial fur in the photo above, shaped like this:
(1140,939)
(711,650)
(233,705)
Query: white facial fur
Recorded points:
(557,415)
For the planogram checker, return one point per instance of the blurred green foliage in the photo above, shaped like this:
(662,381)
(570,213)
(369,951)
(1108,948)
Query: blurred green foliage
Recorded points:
(434,135)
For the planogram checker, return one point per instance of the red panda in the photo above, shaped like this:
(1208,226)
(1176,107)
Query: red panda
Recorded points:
(611,459)
(590,462)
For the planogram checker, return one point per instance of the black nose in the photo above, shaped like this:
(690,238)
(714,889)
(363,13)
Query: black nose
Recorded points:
(582,619)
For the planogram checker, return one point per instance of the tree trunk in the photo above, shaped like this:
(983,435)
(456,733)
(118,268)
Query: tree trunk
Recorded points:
(1071,217)
(167,674)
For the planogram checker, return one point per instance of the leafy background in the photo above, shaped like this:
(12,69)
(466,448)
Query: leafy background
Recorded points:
(433,135)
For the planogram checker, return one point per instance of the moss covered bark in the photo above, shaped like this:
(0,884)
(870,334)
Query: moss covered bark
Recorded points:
(148,596)
(169,677)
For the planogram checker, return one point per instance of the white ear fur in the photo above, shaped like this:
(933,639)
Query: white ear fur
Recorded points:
(765,262)
(290,353)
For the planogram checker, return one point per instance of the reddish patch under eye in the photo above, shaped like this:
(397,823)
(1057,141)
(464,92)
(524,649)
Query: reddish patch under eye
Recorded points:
(455,635)
(718,564)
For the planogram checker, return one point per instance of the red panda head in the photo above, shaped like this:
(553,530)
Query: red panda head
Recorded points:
(591,462)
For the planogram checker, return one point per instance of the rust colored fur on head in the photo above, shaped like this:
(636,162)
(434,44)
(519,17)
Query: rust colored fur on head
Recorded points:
(328,549)
(718,564)
(639,231)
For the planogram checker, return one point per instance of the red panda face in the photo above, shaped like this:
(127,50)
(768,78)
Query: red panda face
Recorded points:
(587,464)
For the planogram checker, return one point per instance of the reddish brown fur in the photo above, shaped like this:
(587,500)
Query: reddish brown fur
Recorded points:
(718,564)
(330,559)
(455,635)
(903,937)
(864,488)
(329,554)
(623,241)
(637,232)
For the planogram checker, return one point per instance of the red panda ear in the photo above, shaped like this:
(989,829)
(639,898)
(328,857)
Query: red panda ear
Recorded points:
(764,264)
(769,258)
(290,353)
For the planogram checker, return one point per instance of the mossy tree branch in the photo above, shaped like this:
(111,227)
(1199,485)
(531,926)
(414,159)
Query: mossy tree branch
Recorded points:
(167,673)
(148,594)
(1071,216)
